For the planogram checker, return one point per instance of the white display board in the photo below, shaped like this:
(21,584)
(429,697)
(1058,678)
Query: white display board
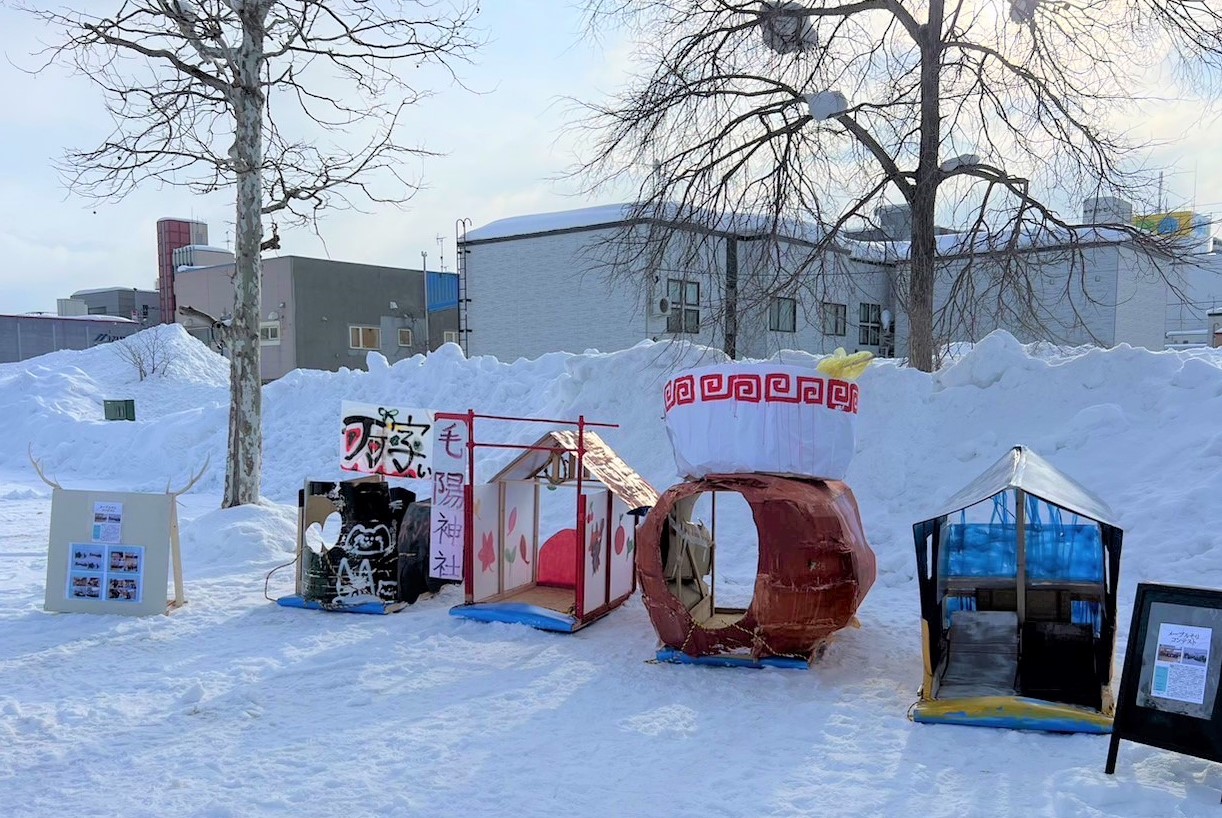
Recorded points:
(623,549)
(113,552)
(518,533)
(486,543)
(768,418)
(594,558)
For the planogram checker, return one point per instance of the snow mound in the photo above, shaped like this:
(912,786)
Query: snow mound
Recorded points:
(231,539)
(1137,427)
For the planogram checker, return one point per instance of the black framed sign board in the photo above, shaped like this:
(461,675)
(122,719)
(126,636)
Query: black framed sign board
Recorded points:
(1169,691)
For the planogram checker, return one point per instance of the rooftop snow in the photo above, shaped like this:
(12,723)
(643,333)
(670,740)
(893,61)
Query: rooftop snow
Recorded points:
(600,215)
(109,319)
(886,252)
(616,214)
(100,290)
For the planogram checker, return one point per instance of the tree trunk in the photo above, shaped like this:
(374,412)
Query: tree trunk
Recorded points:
(922,255)
(922,263)
(245,462)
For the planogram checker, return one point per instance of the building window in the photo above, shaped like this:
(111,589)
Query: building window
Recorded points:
(405,337)
(144,311)
(684,297)
(449,337)
(783,315)
(835,318)
(364,338)
(269,334)
(870,324)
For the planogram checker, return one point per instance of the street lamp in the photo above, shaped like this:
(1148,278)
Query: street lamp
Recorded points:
(825,105)
(962,160)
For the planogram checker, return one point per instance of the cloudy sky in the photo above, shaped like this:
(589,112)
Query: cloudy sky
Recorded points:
(505,143)
(504,140)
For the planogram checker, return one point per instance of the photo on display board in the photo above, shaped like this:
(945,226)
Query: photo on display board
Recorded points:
(87,558)
(123,589)
(84,586)
(125,560)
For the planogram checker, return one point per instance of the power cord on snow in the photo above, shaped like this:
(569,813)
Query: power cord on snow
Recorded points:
(268,579)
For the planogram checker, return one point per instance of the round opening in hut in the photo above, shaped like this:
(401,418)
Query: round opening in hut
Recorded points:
(813,570)
(711,549)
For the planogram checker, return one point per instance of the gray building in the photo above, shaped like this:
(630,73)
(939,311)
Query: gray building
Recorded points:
(142,306)
(320,314)
(27,336)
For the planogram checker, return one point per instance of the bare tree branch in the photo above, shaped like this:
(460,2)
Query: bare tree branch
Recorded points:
(297,105)
(719,120)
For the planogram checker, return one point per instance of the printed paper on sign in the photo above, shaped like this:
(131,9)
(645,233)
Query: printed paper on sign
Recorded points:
(1182,662)
(396,442)
(108,522)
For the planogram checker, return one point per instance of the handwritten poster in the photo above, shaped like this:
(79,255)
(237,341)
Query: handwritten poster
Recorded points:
(448,516)
(396,442)
(1182,662)
(108,522)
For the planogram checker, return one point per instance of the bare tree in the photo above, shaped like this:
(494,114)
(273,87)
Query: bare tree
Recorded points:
(758,117)
(296,104)
(148,351)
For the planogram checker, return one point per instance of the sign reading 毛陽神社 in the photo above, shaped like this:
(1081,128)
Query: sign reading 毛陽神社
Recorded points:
(448,523)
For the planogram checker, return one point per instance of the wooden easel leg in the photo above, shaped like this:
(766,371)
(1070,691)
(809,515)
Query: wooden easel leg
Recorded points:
(1112,749)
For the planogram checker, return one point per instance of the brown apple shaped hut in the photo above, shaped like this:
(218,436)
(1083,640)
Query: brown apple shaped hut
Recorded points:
(815,568)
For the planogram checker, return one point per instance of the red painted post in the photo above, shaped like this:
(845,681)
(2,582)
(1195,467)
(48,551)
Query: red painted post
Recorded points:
(580,607)
(468,536)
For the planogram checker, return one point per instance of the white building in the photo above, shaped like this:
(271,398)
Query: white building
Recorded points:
(538,284)
(535,285)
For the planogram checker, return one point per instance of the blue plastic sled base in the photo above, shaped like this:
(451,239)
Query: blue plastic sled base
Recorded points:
(313,605)
(1012,713)
(520,613)
(730,660)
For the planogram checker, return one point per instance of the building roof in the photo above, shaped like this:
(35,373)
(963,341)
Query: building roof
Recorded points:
(101,290)
(1021,468)
(600,463)
(862,245)
(615,215)
(586,217)
(105,319)
(980,243)
(207,248)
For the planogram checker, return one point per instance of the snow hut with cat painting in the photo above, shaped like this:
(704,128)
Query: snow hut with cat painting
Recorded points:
(518,570)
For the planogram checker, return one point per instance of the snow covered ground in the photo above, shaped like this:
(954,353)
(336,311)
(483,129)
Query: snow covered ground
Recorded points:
(236,707)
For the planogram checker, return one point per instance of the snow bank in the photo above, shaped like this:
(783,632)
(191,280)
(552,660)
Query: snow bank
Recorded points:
(1138,427)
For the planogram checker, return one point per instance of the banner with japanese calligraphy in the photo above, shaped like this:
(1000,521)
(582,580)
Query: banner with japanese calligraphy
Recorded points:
(449,512)
(396,442)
